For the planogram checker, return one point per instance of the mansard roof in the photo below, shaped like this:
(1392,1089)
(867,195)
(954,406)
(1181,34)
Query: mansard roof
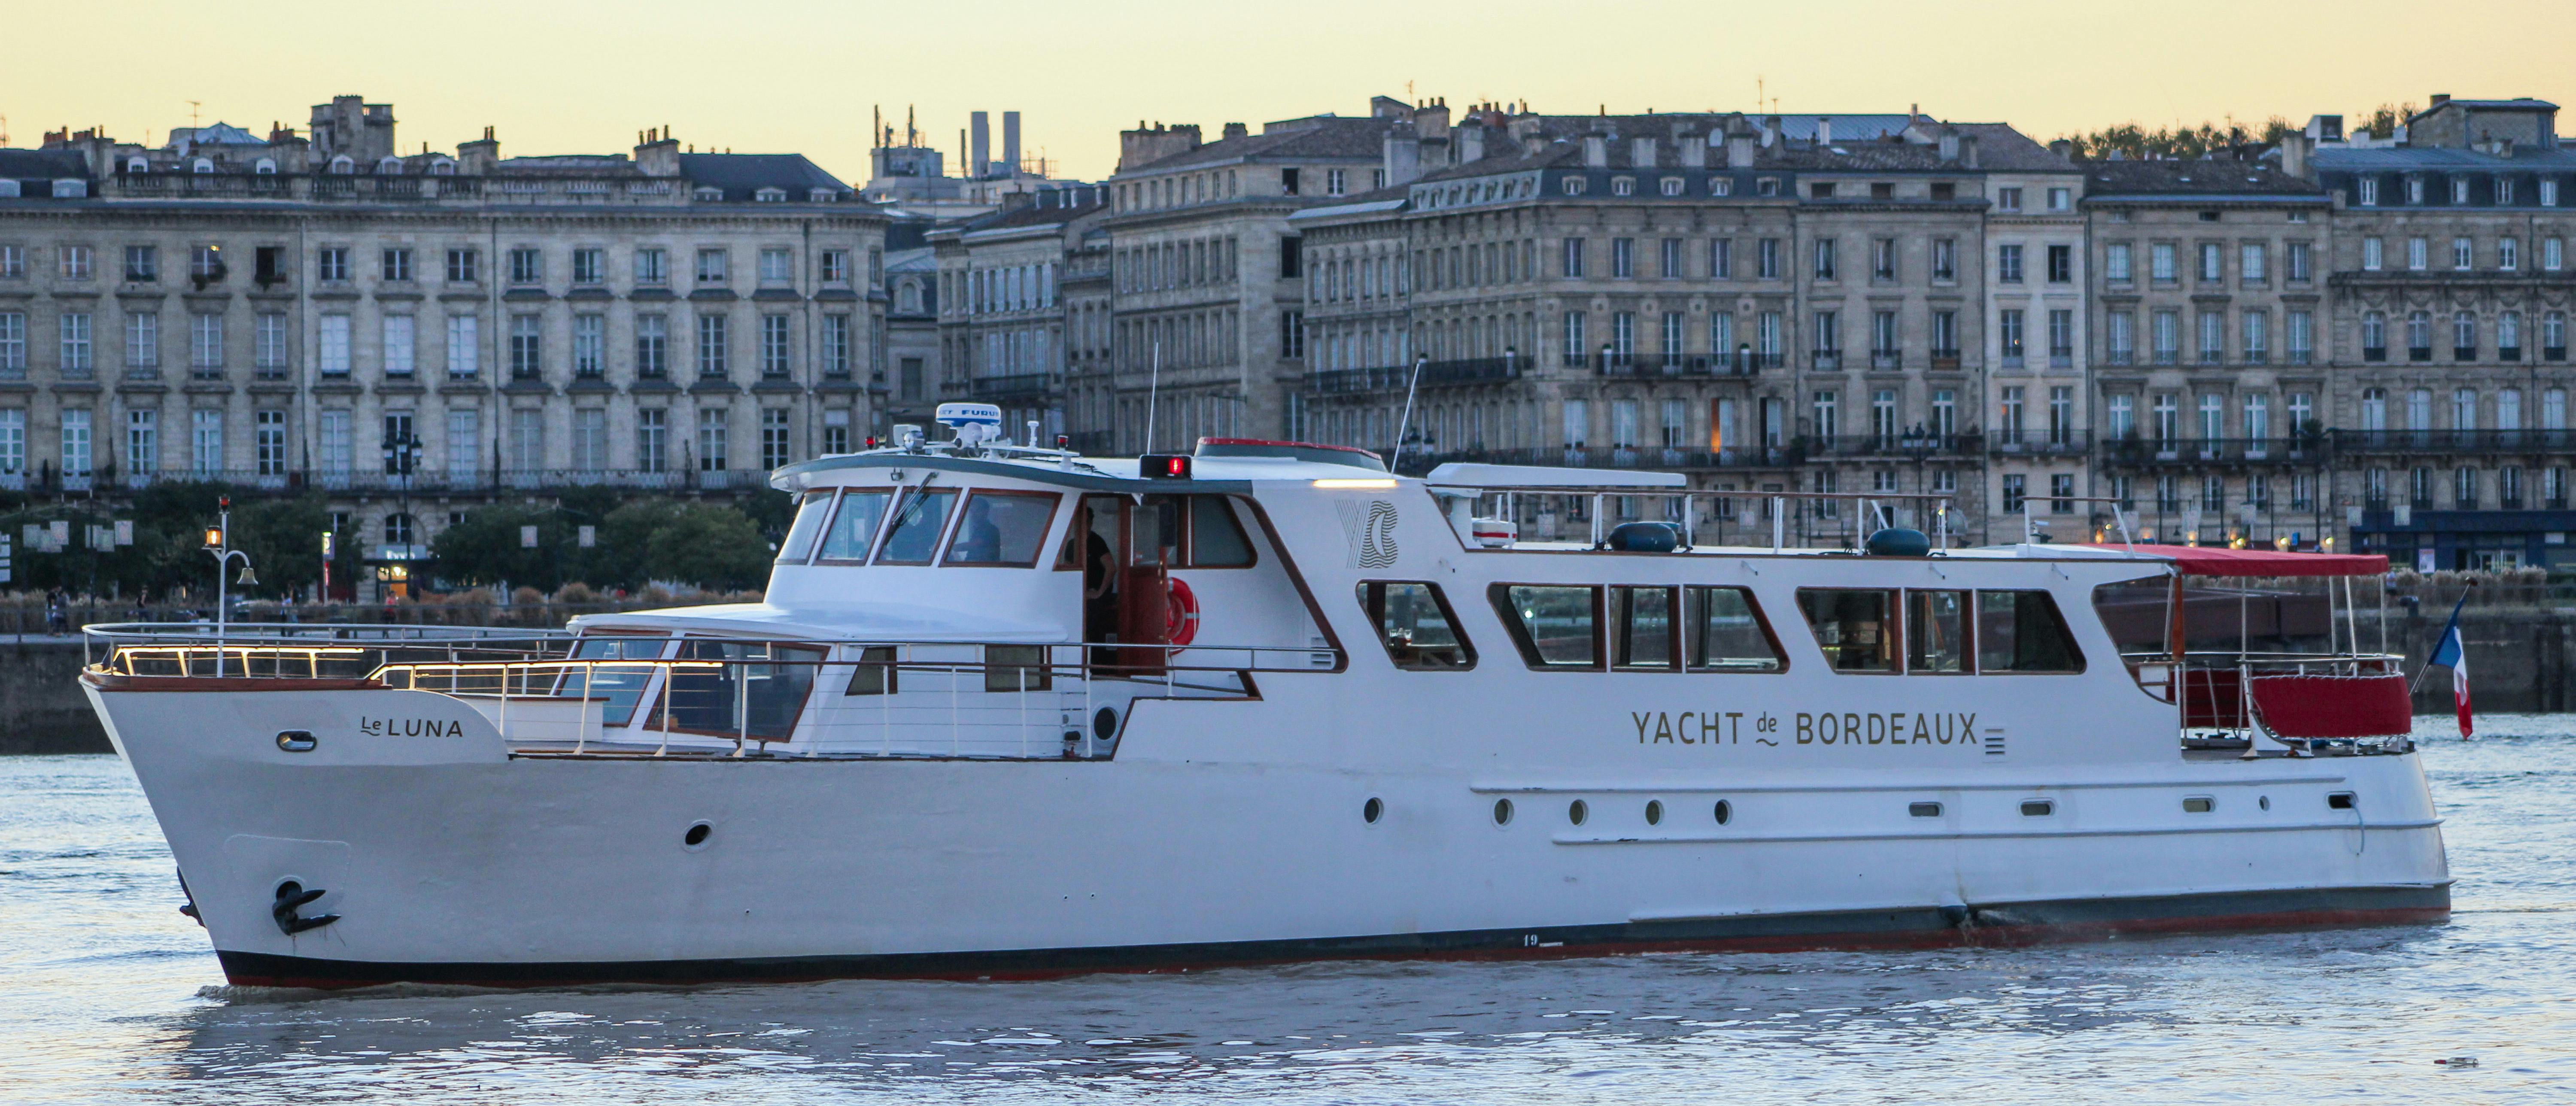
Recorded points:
(2177,178)
(742,175)
(1322,136)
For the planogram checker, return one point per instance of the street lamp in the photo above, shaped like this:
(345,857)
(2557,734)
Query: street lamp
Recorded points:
(219,543)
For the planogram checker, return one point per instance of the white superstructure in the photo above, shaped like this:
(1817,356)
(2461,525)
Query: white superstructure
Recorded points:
(1008,711)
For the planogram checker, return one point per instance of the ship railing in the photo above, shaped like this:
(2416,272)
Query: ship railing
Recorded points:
(805,698)
(2225,699)
(347,651)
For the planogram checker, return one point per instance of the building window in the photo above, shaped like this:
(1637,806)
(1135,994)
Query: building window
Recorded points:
(836,345)
(1826,251)
(2013,493)
(2115,263)
(525,342)
(836,430)
(2367,191)
(773,345)
(1721,259)
(2252,260)
(75,262)
(1767,259)
(652,266)
(205,340)
(331,263)
(588,264)
(773,437)
(1945,259)
(712,267)
(2010,332)
(776,265)
(833,266)
(2213,262)
(653,439)
(268,442)
(2160,263)
(142,264)
(713,360)
(712,435)
(399,343)
(1573,258)
(143,340)
(332,352)
(464,347)
(2008,264)
(2007,199)
(1623,258)
(2061,263)
(527,266)
(461,267)
(1671,259)
(2418,254)
(395,264)
(589,342)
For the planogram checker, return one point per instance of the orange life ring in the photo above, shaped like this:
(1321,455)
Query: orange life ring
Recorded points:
(1182,613)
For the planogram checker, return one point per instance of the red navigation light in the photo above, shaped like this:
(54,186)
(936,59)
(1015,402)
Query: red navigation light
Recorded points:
(1164,466)
(1064,441)
(872,441)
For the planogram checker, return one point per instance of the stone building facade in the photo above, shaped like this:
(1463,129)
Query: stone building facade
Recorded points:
(300,311)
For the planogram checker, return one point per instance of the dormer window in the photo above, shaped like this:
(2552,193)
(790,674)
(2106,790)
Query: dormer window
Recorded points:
(2460,191)
(202,165)
(820,195)
(1672,186)
(137,165)
(1573,186)
(391,167)
(1721,186)
(2415,190)
(1623,186)
(266,167)
(68,188)
(344,164)
(442,168)
(1767,186)
(710,195)
(770,196)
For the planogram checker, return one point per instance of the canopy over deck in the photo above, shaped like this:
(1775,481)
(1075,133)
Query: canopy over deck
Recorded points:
(2203,561)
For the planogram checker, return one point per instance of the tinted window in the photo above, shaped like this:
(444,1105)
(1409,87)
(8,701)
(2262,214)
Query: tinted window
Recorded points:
(758,701)
(622,687)
(854,526)
(1016,668)
(1726,632)
(915,531)
(1936,631)
(809,522)
(2021,631)
(1415,624)
(1216,541)
(1856,629)
(1000,528)
(1641,627)
(1554,626)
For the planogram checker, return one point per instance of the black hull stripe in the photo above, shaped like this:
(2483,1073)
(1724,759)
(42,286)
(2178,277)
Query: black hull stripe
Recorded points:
(1998,924)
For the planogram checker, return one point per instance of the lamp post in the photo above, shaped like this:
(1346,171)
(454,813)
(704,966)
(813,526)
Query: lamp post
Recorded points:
(219,543)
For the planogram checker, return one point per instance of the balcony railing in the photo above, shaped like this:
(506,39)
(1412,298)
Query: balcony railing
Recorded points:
(1613,457)
(1675,365)
(1014,385)
(1915,444)
(1826,360)
(2454,441)
(1435,374)
(2038,443)
(2194,451)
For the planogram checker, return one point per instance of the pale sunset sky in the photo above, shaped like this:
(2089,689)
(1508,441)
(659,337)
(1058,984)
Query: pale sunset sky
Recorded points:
(802,75)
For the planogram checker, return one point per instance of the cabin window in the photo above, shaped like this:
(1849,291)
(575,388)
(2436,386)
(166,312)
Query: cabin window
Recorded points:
(1726,632)
(1556,627)
(619,688)
(1936,632)
(2021,631)
(1002,528)
(1856,629)
(854,526)
(875,672)
(1155,529)
(1417,627)
(1016,668)
(808,524)
(1216,539)
(1641,628)
(914,533)
(740,698)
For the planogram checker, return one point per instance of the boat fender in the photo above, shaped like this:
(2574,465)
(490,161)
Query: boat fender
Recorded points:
(291,897)
(1898,541)
(1645,537)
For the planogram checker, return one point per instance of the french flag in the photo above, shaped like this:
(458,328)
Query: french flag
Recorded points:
(2453,654)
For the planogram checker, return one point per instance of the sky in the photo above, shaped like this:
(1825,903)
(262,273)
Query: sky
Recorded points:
(573,76)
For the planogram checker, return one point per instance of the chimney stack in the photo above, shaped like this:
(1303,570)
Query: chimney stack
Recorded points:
(1739,145)
(1011,143)
(979,154)
(1596,151)
(1401,155)
(1641,153)
(2294,155)
(657,154)
(1471,143)
(2061,147)
(1824,130)
(1968,150)
(1236,130)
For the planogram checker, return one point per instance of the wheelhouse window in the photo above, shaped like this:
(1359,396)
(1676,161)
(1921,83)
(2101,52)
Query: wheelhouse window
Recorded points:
(619,688)
(1725,632)
(854,526)
(914,533)
(739,697)
(2021,631)
(1856,629)
(1416,626)
(1000,528)
(1556,627)
(809,523)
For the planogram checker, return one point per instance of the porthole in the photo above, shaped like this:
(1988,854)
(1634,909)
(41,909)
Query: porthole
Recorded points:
(1502,812)
(1370,810)
(1104,723)
(2264,801)
(1577,811)
(1654,812)
(1725,812)
(696,837)
(2199,804)
(1923,810)
(2038,808)
(296,741)
(2340,800)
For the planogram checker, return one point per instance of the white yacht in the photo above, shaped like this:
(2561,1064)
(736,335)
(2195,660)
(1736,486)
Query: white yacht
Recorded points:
(1007,711)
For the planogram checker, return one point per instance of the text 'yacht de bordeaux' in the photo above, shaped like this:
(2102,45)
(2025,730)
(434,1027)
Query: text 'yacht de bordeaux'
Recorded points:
(1009,711)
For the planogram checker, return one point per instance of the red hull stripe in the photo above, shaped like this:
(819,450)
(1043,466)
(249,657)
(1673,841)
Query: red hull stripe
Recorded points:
(1999,925)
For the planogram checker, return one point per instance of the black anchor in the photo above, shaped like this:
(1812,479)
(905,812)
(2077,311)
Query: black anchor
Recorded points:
(291,897)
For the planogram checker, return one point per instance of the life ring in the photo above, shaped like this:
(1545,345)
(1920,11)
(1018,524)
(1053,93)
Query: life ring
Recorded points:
(1181,612)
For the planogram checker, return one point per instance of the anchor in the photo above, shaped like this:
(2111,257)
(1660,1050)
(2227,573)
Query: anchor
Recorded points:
(291,897)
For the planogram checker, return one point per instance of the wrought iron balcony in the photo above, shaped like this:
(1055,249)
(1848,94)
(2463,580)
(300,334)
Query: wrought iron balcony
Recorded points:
(1914,444)
(2039,443)
(1435,374)
(1651,457)
(1014,385)
(2455,441)
(2151,453)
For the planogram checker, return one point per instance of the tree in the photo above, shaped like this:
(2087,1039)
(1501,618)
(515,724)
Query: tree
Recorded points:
(486,548)
(712,547)
(2382,123)
(2137,143)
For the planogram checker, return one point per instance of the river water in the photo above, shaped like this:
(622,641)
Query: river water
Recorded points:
(107,994)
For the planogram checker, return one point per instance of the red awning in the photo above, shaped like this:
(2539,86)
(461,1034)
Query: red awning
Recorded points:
(2222,561)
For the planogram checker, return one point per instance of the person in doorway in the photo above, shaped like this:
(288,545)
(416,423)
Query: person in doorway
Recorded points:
(1099,586)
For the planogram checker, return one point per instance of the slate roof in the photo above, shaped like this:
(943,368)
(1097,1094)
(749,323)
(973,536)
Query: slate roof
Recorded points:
(740,175)
(1323,137)
(42,165)
(1034,215)
(2000,148)
(2179,178)
(2398,158)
